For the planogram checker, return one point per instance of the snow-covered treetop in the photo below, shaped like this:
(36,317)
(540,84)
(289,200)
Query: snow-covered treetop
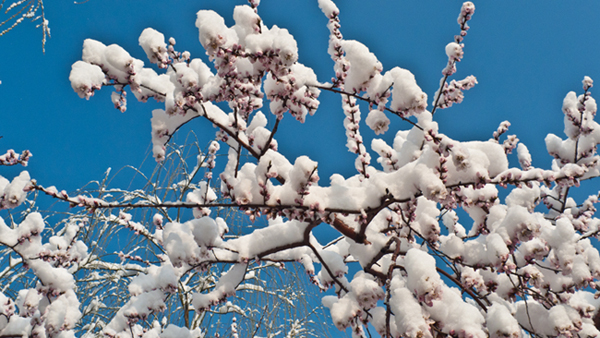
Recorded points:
(515,269)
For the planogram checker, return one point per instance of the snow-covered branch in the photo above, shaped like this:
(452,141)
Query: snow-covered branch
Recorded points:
(512,269)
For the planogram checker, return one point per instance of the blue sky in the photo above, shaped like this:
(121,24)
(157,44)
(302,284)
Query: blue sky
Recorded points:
(525,55)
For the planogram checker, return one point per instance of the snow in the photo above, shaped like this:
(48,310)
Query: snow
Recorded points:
(409,317)
(202,70)
(56,279)
(337,266)
(153,43)
(137,308)
(560,319)
(269,238)
(454,51)
(377,121)
(518,225)
(63,313)
(206,232)
(406,94)
(163,126)
(458,316)
(524,156)
(17,327)
(246,21)
(213,33)
(329,8)
(388,157)
(85,78)
(587,82)
(225,287)
(422,279)
(363,65)
(497,251)
(53,300)
(501,323)
(202,195)
(426,219)
(93,52)
(173,331)
(13,194)
(290,92)
(342,310)
(8,236)
(164,277)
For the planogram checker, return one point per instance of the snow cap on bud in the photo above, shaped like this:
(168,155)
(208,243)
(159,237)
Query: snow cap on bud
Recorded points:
(85,78)
(587,82)
(454,51)
(153,43)
(93,52)
(501,323)
(363,65)
(213,33)
(377,121)
(406,94)
(157,220)
(468,8)
(366,290)
(329,8)
(246,20)
(12,195)
(423,280)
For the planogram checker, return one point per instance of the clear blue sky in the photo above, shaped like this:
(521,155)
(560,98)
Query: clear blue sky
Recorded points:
(526,56)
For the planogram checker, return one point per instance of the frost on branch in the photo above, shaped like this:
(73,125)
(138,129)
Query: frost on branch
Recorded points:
(20,10)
